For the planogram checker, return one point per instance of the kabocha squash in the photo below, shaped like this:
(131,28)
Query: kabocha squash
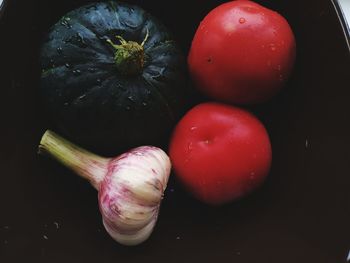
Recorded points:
(112,77)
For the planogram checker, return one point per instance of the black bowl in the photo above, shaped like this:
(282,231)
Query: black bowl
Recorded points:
(301,214)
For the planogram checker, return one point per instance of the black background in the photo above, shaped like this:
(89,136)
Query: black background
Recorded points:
(300,215)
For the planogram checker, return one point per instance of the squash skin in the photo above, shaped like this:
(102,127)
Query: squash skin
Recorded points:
(92,103)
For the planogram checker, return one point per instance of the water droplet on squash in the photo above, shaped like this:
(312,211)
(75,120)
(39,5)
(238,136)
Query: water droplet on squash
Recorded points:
(98,81)
(81,41)
(59,50)
(94,7)
(144,104)
(121,87)
(130,98)
(76,72)
(82,97)
(65,22)
(242,20)
(104,38)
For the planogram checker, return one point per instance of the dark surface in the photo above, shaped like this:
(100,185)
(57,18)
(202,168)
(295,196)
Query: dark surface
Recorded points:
(300,215)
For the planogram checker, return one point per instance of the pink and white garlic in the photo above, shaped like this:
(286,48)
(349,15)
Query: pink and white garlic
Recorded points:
(130,187)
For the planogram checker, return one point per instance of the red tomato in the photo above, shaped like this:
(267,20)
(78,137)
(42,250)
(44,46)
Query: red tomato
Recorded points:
(242,53)
(220,152)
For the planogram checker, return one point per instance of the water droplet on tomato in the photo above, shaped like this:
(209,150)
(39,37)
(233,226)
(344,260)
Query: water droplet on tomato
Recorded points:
(190,146)
(252,176)
(193,129)
(242,20)
(207,141)
(273,47)
(219,183)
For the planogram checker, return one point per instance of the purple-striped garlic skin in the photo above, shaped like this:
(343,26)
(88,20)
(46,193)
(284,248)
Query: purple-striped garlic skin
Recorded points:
(131,193)
(130,186)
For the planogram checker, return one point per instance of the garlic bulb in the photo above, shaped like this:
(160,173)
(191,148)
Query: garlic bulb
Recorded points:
(130,186)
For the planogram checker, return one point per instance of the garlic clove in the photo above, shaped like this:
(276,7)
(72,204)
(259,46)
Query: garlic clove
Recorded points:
(142,175)
(142,170)
(128,216)
(131,239)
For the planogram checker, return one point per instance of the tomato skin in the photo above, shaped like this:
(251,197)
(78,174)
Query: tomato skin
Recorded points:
(220,152)
(242,53)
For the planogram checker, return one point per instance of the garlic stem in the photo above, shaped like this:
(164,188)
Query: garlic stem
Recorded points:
(86,164)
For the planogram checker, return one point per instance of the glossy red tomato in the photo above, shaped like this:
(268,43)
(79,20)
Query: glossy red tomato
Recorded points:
(242,53)
(220,152)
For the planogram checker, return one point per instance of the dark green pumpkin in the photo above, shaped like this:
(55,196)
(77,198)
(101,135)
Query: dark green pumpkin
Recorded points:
(101,99)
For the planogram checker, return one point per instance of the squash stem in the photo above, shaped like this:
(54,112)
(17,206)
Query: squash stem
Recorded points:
(129,56)
(86,164)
